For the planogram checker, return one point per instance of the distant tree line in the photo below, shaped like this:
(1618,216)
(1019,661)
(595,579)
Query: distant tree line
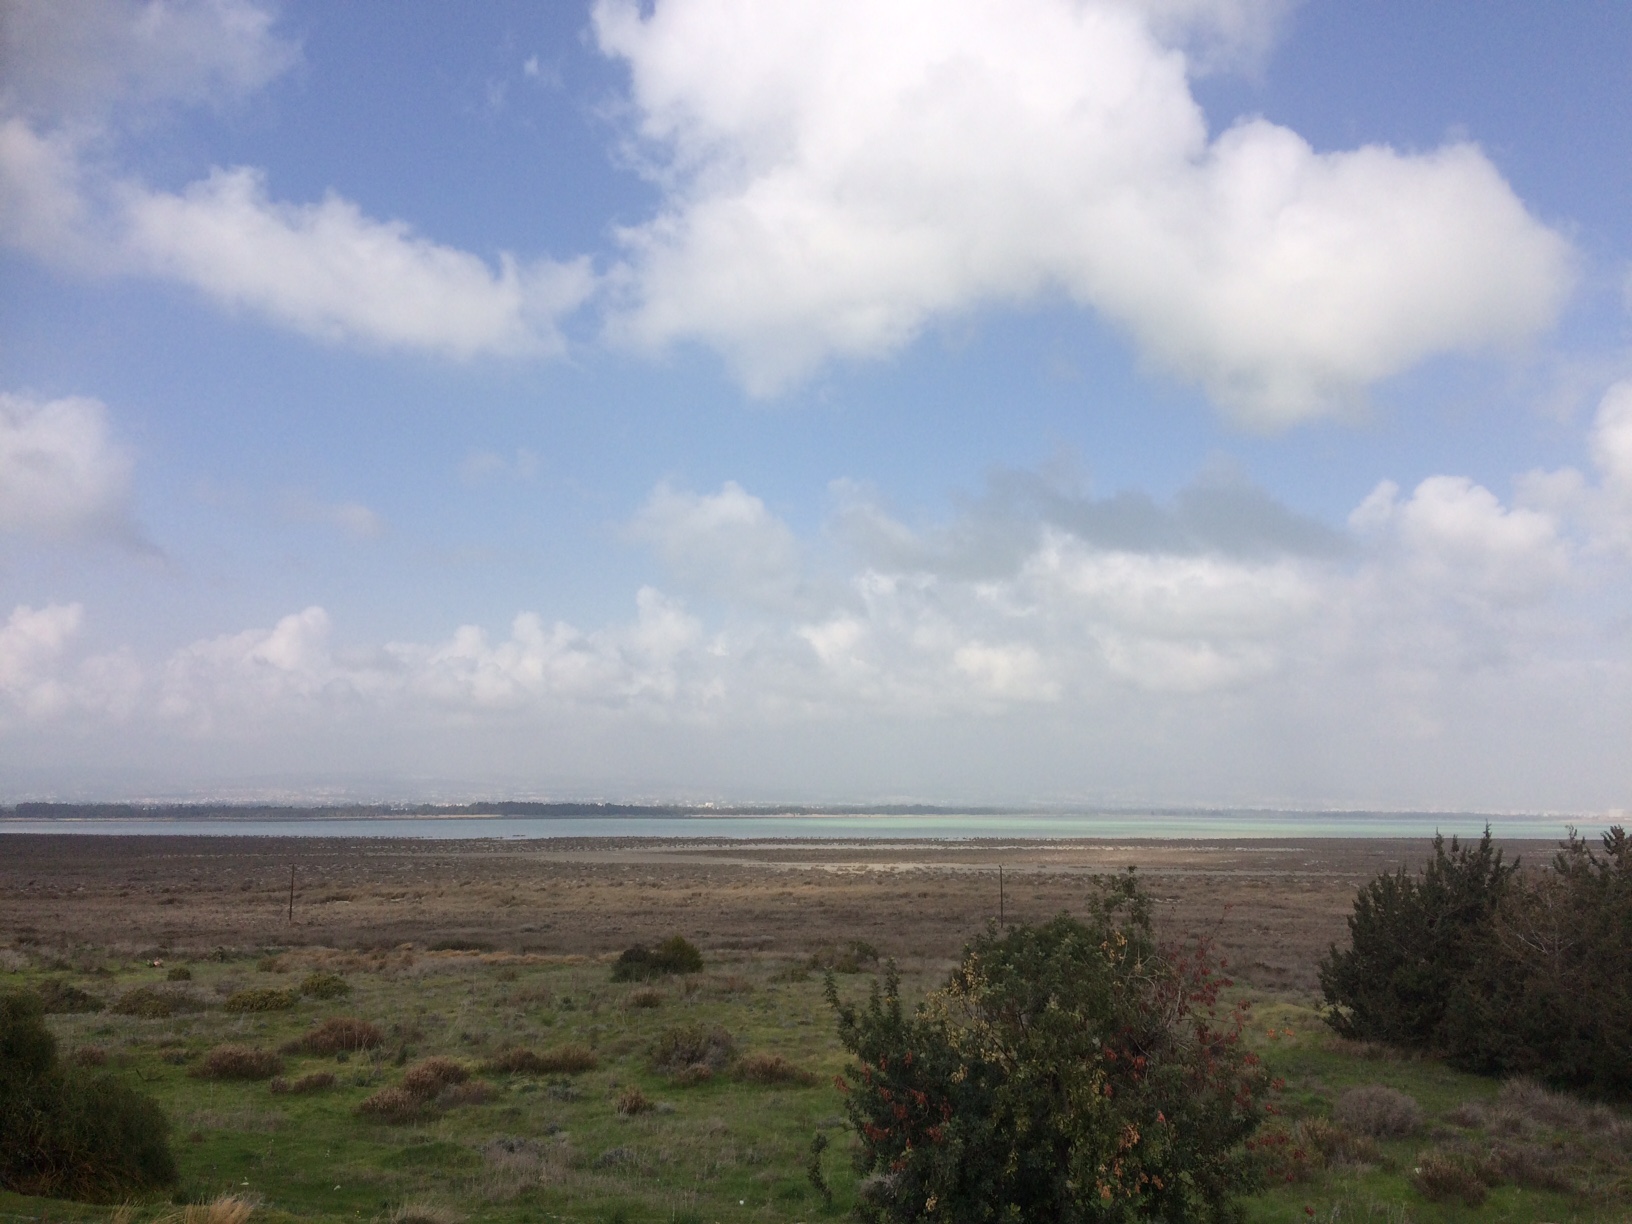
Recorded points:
(1498,971)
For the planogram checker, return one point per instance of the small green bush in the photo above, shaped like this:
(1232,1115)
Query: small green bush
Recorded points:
(640,963)
(179,974)
(66,1133)
(156,1002)
(324,986)
(64,998)
(264,1000)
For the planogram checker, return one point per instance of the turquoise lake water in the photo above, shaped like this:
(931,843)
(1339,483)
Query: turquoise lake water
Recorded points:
(940,825)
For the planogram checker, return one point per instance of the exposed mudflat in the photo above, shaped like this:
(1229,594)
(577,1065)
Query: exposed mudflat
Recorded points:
(1272,906)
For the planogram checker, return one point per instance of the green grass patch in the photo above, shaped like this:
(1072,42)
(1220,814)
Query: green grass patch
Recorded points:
(539,1138)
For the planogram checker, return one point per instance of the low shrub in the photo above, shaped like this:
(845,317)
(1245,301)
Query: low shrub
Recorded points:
(157,1002)
(337,1035)
(640,963)
(561,1060)
(851,957)
(227,1209)
(773,1069)
(1442,1176)
(690,1046)
(644,997)
(89,1056)
(429,1076)
(64,998)
(238,1062)
(1378,1112)
(393,1105)
(179,973)
(267,999)
(65,1133)
(632,1101)
(317,1081)
(325,986)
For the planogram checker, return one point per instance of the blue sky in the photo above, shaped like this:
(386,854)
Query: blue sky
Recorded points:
(1123,401)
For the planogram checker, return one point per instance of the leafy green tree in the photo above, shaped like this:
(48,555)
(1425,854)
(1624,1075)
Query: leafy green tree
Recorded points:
(1073,1071)
(1550,992)
(1413,941)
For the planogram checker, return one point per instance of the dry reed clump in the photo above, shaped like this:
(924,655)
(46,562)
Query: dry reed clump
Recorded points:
(1528,1100)
(89,1056)
(267,999)
(773,1069)
(561,1060)
(693,1052)
(393,1105)
(1378,1112)
(228,1209)
(337,1035)
(644,997)
(1442,1175)
(238,1062)
(317,1081)
(1331,1144)
(632,1101)
(430,1076)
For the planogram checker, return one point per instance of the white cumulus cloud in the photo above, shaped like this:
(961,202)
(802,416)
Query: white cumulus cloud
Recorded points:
(61,472)
(325,268)
(839,174)
(726,543)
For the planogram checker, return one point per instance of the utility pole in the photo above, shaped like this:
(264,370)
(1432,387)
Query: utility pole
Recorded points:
(291,894)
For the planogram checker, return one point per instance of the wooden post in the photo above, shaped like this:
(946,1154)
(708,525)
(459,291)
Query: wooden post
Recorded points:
(291,894)
(1000,894)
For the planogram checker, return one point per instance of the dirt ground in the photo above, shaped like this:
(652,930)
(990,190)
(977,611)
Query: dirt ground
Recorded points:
(1272,907)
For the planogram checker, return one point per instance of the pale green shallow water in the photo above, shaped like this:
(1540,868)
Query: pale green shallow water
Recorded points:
(1253,824)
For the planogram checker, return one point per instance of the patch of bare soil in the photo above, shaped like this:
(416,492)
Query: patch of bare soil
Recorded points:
(1272,907)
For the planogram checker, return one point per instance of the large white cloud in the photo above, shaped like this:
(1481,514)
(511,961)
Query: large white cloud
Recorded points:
(839,174)
(327,269)
(330,271)
(61,472)
(79,57)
